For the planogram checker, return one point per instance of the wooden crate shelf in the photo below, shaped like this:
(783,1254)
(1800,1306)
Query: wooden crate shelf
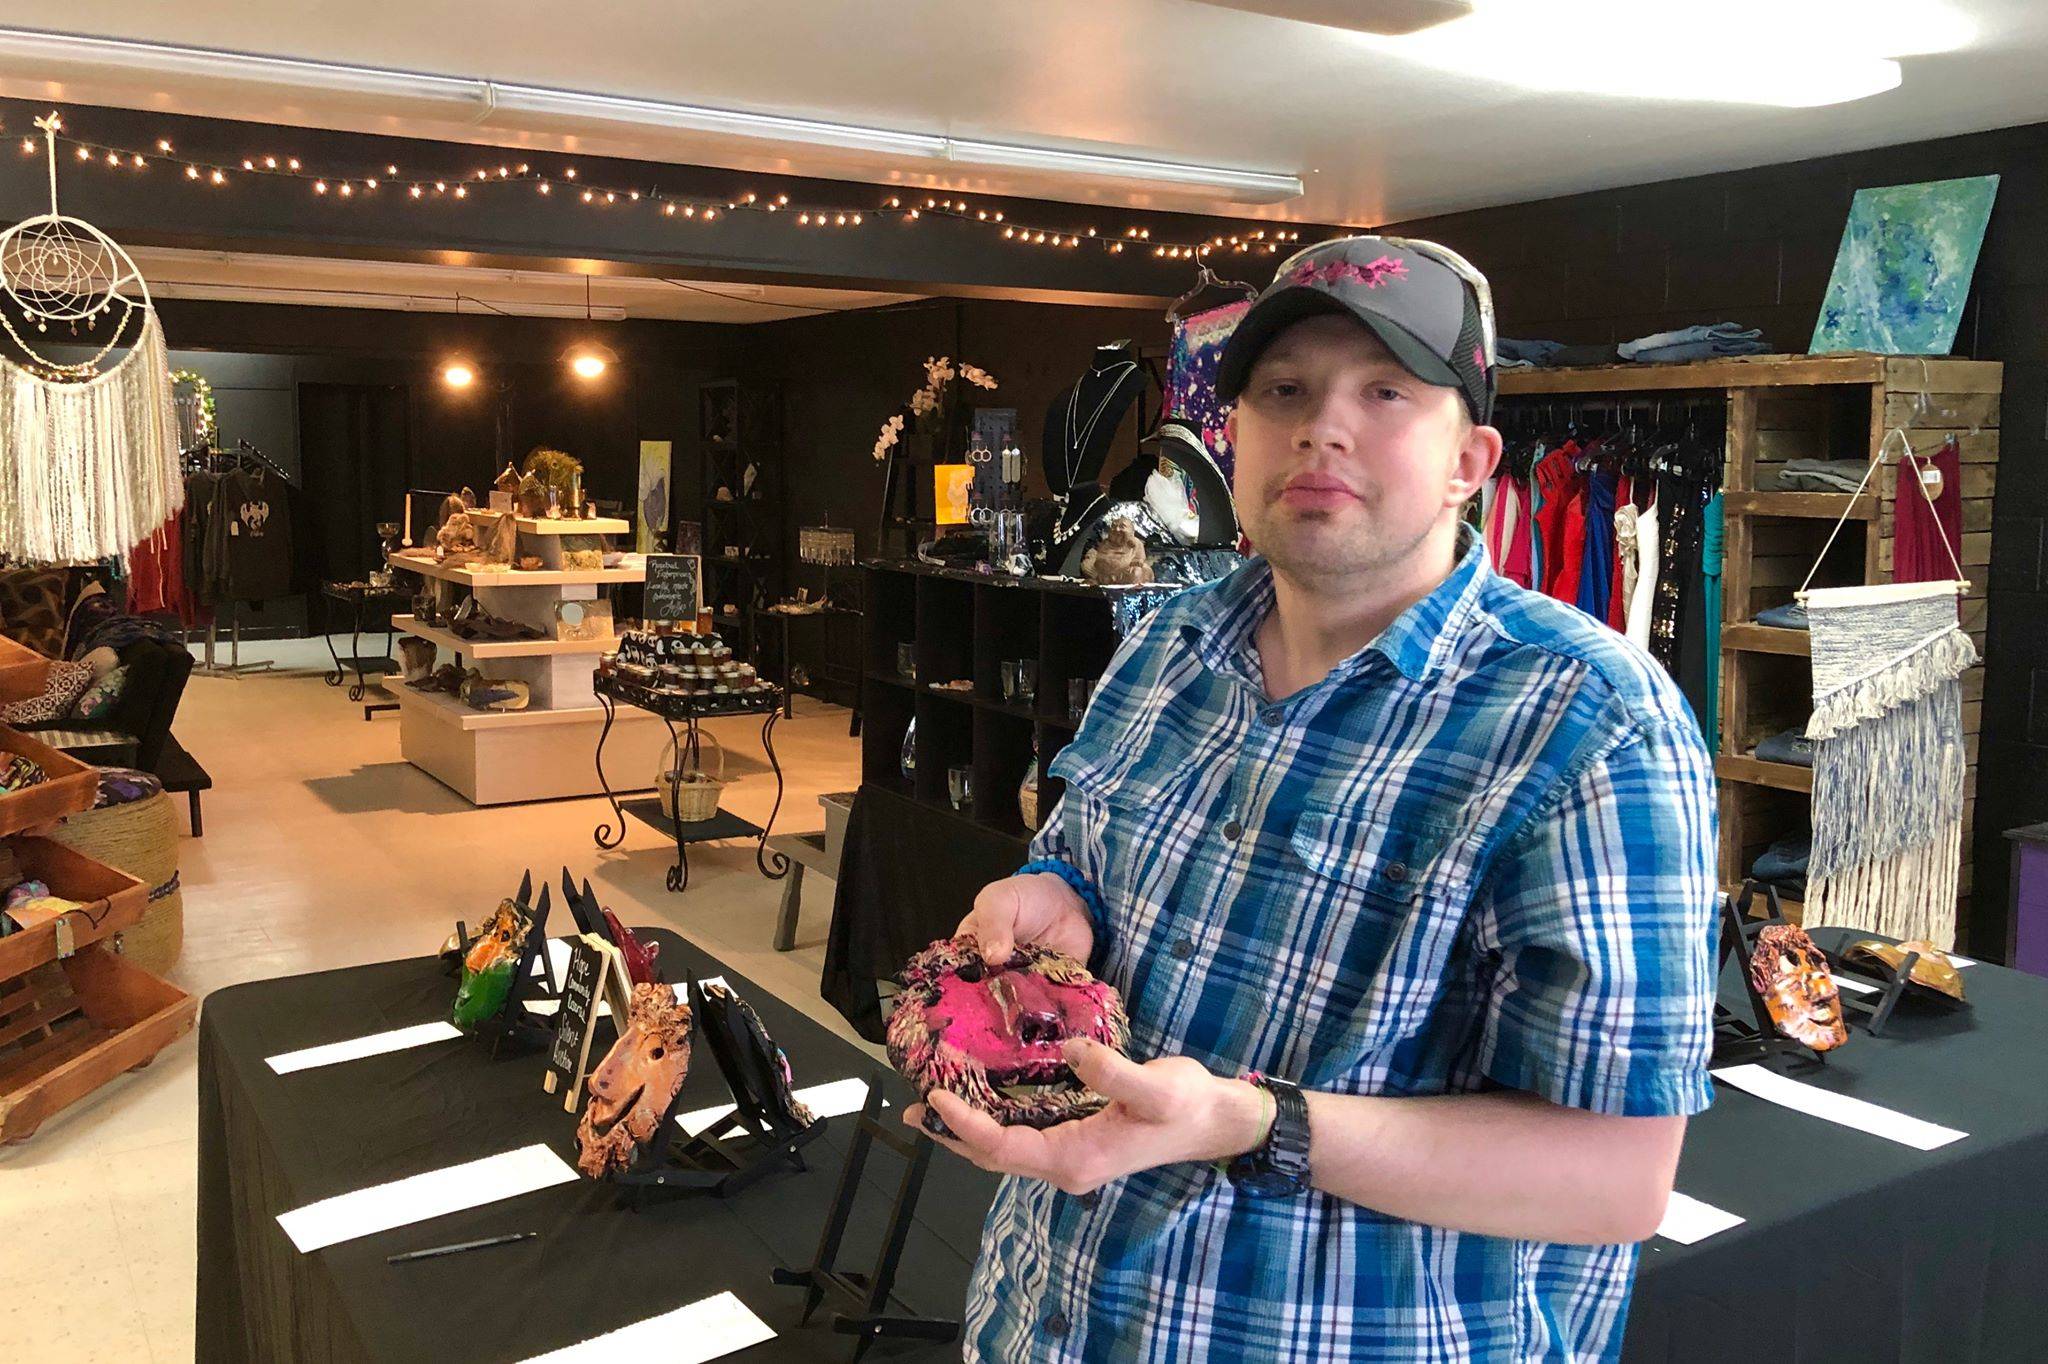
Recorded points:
(1786,407)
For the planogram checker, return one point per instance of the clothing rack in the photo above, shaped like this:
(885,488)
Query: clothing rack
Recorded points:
(206,459)
(1780,408)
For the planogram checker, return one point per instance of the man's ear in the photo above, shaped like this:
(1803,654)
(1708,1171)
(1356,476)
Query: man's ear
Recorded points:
(1476,461)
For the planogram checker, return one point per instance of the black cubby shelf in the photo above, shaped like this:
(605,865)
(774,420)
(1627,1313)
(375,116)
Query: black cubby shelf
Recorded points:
(966,625)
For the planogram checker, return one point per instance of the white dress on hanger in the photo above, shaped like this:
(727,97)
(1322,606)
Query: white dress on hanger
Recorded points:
(1643,598)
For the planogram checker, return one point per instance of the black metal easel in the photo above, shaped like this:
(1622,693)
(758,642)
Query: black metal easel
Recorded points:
(869,1294)
(754,1141)
(515,1027)
(1750,1036)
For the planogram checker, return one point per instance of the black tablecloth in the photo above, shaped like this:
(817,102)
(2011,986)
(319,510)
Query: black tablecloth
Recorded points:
(1856,1248)
(269,1143)
(907,876)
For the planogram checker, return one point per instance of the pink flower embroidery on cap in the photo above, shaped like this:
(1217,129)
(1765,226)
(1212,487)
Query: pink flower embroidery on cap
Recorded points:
(1371,275)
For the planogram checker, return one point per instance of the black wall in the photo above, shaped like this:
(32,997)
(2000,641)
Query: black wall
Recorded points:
(1757,247)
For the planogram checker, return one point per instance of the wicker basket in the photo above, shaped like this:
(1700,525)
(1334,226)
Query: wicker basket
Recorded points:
(689,797)
(139,837)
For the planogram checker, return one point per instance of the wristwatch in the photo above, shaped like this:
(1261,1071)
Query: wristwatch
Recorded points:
(1279,1167)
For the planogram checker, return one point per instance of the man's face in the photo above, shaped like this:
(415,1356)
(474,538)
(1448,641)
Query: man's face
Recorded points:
(1346,462)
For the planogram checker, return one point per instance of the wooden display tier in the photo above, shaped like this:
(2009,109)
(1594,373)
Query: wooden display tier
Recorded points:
(509,579)
(504,757)
(966,625)
(73,1013)
(557,525)
(69,786)
(542,752)
(22,671)
(1786,407)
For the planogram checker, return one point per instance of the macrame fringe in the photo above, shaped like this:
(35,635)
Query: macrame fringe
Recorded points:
(1888,784)
(88,469)
(1909,895)
(1941,660)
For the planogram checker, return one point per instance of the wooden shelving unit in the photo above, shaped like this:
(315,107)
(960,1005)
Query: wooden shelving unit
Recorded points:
(74,1014)
(546,751)
(1787,407)
(966,625)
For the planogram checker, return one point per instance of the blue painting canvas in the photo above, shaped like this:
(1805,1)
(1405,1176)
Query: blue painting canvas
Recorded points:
(1904,267)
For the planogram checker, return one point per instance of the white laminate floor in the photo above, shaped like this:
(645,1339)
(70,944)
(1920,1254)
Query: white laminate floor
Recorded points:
(323,848)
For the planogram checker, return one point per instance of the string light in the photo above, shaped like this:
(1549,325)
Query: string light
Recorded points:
(28,146)
(1268,240)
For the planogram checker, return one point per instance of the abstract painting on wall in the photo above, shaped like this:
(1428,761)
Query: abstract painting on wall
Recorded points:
(652,522)
(1903,270)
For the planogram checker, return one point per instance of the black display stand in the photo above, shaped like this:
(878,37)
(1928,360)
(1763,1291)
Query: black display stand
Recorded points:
(515,1028)
(1749,1035)
(741,425)
(869,1294)
(753,1142)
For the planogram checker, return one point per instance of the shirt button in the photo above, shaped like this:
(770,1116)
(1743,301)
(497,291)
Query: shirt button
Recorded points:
(1270,716)
(1397,872)
(1232,830)
(1057,1324)
(1184,948)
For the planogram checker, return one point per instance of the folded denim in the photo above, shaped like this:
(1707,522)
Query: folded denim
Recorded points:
(1783,864)
(1790,616)
(1697,350)
(1526,352)
(1791,747)
(1819,475)
(1718,332)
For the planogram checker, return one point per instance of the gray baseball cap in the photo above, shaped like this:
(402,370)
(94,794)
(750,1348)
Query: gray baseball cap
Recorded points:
(1425,302)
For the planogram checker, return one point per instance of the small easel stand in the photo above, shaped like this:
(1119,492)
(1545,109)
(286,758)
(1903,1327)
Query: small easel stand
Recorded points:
(752,1142)
(869,1294)
(515,1028)
(1873,1011)
(1749,1036)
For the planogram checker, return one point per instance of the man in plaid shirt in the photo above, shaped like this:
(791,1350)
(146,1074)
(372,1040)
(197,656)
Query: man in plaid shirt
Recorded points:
(1406,877)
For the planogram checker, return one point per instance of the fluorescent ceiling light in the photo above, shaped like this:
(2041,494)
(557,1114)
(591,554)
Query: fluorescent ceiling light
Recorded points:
(46,56)
(1789,53)
(1263,186)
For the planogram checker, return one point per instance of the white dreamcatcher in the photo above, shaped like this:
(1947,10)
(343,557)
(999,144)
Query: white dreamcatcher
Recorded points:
(88,457)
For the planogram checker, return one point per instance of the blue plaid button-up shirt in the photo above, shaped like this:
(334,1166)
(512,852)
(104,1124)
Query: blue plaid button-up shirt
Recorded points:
(1480,853)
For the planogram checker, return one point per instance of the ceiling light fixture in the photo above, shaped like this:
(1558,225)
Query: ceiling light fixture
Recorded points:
(51,56)
(587,359)
(458,374)
(1820,51)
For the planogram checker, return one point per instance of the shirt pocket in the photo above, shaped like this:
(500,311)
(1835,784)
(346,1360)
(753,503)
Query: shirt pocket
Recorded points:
(1384,901)
(1132,818)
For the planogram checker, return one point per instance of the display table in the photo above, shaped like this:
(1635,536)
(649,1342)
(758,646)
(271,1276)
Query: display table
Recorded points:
(1856,1248)
(269,1143)
(614,692)
(542,752)
(357,596)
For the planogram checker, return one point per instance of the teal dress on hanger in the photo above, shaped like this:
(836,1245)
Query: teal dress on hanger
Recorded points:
(1710,582)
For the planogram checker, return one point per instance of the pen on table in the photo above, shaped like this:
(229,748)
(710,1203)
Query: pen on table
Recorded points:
(433,1251)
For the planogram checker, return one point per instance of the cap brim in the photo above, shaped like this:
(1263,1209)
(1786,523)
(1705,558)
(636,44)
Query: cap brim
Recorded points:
(1278,311)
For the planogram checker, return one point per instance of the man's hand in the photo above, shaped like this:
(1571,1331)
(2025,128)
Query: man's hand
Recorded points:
(1159,1113)
(1038,908)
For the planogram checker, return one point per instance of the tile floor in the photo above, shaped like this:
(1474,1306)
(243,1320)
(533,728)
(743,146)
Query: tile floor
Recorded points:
(315,856)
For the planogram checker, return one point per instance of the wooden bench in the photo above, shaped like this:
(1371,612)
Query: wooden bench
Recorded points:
(804,851)
(180,771)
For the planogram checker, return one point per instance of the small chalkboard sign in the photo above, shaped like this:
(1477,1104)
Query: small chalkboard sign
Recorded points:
(671,594)
(570,1054)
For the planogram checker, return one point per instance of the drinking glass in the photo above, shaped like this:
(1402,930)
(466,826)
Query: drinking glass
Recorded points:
(1027,681)
(906,661)
(1079,689)
(960,786)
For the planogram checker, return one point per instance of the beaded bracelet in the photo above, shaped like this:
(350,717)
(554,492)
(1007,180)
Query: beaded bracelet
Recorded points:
(1071,874)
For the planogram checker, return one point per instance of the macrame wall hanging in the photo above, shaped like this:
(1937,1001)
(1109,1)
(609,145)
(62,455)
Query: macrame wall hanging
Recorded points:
(88,455)
(1888,758)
